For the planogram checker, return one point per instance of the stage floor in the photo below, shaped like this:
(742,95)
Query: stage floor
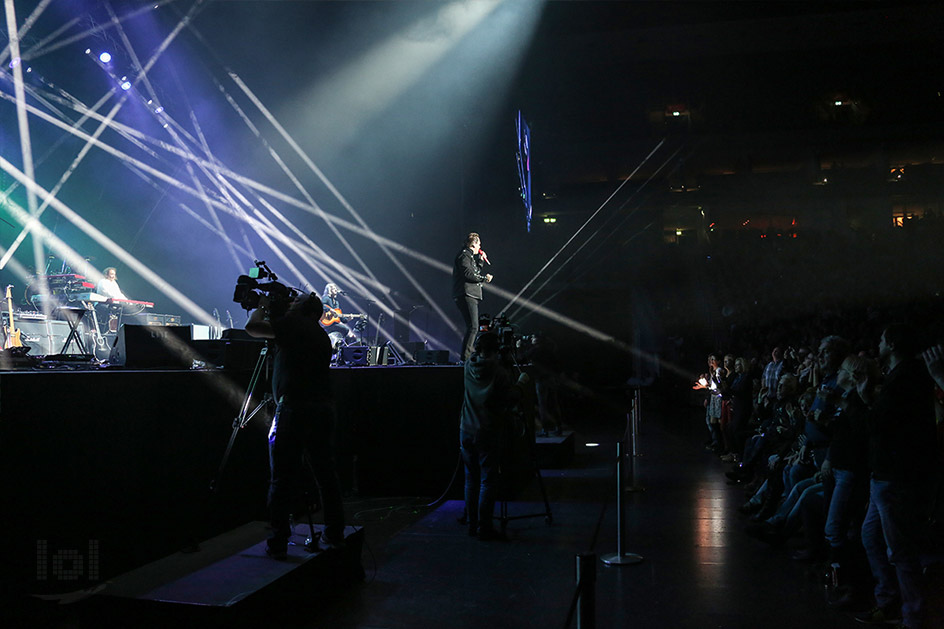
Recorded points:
(699,570)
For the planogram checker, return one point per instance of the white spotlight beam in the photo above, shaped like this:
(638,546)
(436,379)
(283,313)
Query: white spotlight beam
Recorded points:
(308,162)
(209,207)
(24,29)
(344,270)
(390,68)
(587,330)
(65,177)
(159,175)
(37,51)
(55,244)
(337,193)
(586,242)
(26,149)
(103,124)
(291,176)
(581,228)
(150,276)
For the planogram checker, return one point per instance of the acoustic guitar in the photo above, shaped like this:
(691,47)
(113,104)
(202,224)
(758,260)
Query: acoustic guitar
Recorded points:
(333,315)
(13,335)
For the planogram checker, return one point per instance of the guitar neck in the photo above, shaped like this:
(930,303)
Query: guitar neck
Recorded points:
(10,307)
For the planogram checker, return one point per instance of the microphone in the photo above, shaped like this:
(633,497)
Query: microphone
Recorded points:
(484,257)
(216,315)
(341,292)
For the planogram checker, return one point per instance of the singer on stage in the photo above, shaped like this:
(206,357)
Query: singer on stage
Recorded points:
(468,275)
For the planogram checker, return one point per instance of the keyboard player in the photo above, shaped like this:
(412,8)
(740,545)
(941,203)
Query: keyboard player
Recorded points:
(108,285)
(109,312)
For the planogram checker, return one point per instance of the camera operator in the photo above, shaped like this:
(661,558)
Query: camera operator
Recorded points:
(490,393)
(304,417)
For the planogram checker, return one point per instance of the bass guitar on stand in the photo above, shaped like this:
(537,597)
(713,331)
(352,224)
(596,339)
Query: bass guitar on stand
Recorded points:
(12,334)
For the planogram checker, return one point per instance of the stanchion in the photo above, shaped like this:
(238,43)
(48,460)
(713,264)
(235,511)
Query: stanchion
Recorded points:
(586,587)
(620,558)
(632,429)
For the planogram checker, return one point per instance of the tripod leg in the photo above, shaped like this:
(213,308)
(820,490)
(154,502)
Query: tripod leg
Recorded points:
(548,516)
(311,544)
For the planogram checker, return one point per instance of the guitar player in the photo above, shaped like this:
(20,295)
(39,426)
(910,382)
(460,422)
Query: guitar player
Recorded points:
(330,300)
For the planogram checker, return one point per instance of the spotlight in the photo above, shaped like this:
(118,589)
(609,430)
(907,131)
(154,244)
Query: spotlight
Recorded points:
(126,85)
(105,57)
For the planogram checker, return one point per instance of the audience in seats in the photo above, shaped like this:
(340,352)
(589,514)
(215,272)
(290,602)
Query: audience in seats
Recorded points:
(843,445)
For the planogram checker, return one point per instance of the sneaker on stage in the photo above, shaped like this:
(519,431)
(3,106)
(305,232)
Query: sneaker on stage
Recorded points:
(878,615)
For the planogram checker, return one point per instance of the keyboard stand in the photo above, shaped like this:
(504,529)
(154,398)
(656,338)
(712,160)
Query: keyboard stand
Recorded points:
(74,318)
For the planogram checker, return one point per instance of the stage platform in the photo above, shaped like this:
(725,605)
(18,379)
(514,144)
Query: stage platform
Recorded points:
(105,470)
(233,566)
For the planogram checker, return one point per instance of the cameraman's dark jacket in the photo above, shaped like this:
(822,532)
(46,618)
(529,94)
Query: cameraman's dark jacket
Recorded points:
(490,393)
(302,358)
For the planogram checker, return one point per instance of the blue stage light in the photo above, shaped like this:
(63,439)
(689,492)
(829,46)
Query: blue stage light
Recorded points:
(105,57)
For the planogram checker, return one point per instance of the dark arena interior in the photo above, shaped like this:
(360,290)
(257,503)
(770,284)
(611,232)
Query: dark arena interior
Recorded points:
(760,183)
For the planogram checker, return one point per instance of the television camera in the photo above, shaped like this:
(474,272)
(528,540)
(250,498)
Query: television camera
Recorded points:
(249,290)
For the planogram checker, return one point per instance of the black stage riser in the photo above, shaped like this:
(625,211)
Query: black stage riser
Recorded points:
(115,465)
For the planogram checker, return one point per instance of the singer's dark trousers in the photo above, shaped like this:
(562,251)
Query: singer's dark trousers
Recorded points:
(469,307)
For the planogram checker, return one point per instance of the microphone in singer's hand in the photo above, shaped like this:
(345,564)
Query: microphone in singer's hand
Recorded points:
(484,257)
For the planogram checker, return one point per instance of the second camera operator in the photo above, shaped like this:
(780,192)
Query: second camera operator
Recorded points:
(304,418)
(491,391)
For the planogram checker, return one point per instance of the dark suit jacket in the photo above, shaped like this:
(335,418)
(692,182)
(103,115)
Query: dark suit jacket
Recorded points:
(467,275)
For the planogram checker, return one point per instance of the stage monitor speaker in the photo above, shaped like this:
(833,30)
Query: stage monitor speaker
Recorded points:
(353,355)
(432,357)
(152,346)
(410,349)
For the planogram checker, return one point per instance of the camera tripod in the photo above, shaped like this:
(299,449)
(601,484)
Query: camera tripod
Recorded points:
(503,517)
(245,415)
(525,416)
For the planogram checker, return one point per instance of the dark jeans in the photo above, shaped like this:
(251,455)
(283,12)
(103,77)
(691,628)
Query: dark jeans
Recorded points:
(480,453)
(469,307)
(295,429)
(890,535)
(844,505)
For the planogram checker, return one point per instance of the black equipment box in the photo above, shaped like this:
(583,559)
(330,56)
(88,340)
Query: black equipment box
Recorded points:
(432,357)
